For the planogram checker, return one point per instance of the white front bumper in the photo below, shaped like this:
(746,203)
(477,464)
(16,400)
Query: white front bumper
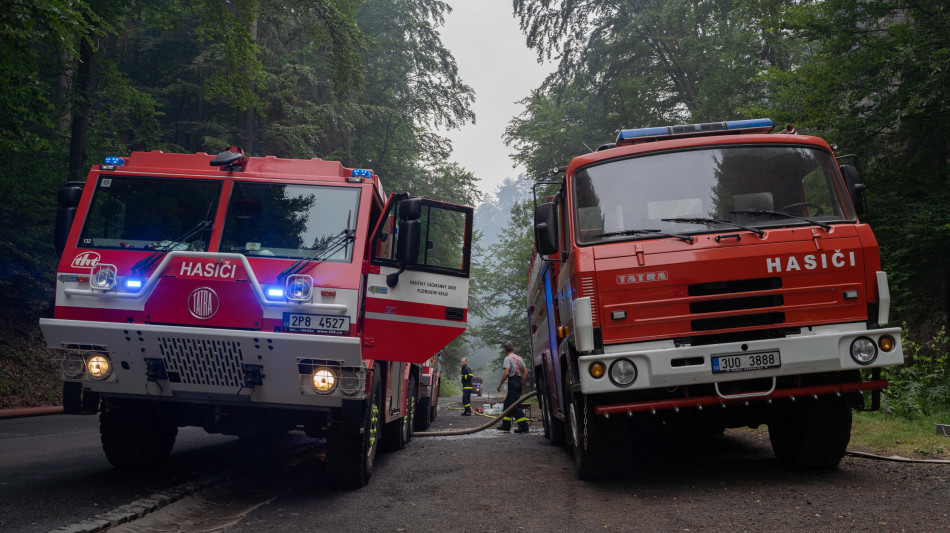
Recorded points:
(821,349)
(208,364)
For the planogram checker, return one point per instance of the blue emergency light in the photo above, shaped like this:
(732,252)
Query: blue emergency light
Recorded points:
(134,284)
(639,135)
(274,293)
(116,161)
(362,173)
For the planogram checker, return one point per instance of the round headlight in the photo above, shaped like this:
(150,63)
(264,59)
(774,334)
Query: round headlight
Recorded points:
(863,351)
(73,365)
(98,366)
(597,370)
(623,372)
(324,380)
(350,383)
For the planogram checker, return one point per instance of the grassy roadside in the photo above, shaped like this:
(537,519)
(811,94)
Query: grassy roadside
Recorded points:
(914,439)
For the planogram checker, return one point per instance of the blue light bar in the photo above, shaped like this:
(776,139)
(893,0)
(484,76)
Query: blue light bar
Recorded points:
(274,293)
(633,136)
(117,161)
(362,173)
(133,284)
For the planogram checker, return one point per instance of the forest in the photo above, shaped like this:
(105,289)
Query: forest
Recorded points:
(370,83)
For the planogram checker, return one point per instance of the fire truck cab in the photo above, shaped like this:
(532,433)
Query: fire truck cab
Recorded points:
(706,276)
(250,296)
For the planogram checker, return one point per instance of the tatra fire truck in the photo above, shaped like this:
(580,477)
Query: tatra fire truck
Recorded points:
(702,277)
(251,296)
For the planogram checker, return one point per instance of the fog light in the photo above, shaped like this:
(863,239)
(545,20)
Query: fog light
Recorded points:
(324,380)
(597,370)
(863,351)
(886,342)
(98,366)
(351,383)
(73,365)
(623,372)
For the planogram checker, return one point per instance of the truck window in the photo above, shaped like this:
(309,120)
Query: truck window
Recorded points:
(144,213)
(446,229)
(639,193)
(291,221)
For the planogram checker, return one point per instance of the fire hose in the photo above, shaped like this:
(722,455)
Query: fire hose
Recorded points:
(486,425)
(512,407)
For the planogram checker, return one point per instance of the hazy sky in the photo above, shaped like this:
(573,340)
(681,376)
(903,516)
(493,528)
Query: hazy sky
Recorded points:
(489,49)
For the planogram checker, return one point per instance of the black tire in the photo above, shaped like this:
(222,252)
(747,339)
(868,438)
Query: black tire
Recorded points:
(606,452)
(398,433)
(423,412)
(135,438)
(811,434)
(352,455)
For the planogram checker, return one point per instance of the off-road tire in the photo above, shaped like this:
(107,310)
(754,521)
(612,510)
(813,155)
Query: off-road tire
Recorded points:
(423,414)
(134,438)
(553,427)
(811,434)
(607,453)
(352,455)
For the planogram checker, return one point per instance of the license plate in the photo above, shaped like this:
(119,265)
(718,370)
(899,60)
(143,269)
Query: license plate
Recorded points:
(324,324)
(742,362)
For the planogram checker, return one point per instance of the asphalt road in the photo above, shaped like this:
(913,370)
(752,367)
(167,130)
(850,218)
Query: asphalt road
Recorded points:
(53,475)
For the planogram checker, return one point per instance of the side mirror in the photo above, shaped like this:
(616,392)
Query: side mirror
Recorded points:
(852,180)
(410,209)
(68,199)
(545,228)
(408,237)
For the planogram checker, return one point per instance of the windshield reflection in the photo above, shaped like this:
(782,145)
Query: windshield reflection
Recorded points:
(290,221)
(705,190)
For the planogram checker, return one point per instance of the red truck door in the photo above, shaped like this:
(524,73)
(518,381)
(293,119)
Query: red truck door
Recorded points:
(412,309)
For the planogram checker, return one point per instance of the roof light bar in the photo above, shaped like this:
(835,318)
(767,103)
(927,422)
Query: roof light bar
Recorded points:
(362,173)
(640,135)
(117,161)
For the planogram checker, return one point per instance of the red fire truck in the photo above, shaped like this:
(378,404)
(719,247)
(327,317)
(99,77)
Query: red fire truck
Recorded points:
(703,277)
(250,296)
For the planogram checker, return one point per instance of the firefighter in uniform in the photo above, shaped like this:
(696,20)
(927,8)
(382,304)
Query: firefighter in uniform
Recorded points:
(514,371)
(466,388)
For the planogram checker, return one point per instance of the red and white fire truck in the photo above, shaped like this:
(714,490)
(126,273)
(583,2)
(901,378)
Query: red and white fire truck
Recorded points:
(703,277)
(250,296)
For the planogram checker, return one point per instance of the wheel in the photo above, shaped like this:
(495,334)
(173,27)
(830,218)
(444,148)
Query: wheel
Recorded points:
(553,427)
(811,434)
(423,412)
(605,451)
(398,433)
(818,209)
(135,438)
(351,455)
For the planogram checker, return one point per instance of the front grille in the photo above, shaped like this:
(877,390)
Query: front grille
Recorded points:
(736,304)
(741,321)
(734,286)
(588,289)
(203,362)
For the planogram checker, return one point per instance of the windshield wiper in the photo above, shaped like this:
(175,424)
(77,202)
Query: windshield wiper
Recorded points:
(151,259)
(711,221)
(656,232)
(338,242)
(758,212)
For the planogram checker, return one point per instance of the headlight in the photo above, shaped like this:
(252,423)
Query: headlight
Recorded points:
(299,287)
(863,351)
(98,366)
(73,365)
(623,372)
(597,370)
(324,380)
(103,277)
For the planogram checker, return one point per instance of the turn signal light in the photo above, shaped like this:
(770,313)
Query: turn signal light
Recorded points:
(597,370)
(886,342)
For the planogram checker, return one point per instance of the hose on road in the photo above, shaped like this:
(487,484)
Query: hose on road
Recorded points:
(531,394)
(486,425)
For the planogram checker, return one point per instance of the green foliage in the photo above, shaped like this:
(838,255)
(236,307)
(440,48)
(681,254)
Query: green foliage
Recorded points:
(922,386)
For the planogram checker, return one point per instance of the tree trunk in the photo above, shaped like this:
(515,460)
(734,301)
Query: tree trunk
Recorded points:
(80,111)
(249,110)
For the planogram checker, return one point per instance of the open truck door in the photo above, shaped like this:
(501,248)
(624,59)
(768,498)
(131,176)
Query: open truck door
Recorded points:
(416,287)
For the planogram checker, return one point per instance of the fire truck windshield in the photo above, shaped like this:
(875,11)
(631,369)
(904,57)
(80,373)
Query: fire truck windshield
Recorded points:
(291,221)
(147,213)
(705,190)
